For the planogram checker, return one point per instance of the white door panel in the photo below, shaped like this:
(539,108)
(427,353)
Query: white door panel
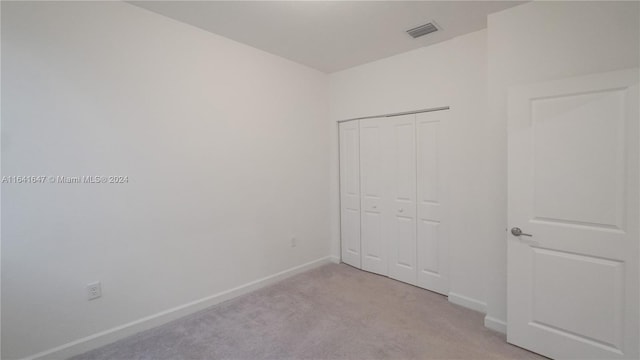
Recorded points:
(402,174)
(432,242)
(573,185)
(374,194)
(350,192)
(429,264)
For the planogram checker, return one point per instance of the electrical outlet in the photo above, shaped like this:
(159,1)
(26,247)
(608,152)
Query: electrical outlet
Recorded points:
(94,290)
(294,242)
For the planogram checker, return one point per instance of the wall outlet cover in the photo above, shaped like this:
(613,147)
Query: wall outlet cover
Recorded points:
(94,290)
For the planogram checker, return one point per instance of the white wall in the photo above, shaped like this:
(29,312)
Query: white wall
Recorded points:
(452,73)
(225,148)
(535,42)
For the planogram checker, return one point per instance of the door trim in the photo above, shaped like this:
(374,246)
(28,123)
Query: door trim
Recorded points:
(441,108)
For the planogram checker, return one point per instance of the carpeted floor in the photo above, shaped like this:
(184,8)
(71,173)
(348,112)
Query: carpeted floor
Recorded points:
(332,312)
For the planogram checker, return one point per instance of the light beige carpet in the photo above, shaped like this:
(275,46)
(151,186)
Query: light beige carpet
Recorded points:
(332,312)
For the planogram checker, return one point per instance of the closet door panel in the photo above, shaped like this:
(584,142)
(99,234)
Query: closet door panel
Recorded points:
(350,193)
(432,245)
(401,149)
(373,187)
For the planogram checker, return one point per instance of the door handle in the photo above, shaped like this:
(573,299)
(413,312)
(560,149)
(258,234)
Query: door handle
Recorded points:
(516,231)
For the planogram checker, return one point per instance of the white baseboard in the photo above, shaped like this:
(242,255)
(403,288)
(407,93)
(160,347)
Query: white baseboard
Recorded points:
(495,324)
(334,259)
(468,302)
(108,336)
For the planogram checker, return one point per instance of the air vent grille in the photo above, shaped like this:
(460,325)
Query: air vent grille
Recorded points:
(422,30)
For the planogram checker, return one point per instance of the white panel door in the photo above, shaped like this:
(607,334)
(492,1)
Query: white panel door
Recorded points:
(350,192)
(374,194)
(573,186)
(432,242)
(402,180)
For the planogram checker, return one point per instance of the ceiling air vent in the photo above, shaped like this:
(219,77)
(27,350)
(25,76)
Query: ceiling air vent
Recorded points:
(422,30)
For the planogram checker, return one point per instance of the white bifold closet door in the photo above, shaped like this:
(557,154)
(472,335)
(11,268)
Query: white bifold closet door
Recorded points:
(399,223)
(402,181)
(432,241)
(374,194)
(350,193)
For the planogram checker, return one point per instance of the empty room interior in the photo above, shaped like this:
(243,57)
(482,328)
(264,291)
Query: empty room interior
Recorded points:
(320,180)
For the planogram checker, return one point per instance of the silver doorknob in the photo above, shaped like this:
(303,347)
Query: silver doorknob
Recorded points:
(516,231)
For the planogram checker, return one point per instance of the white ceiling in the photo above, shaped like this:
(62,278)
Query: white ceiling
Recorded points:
(330,35)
